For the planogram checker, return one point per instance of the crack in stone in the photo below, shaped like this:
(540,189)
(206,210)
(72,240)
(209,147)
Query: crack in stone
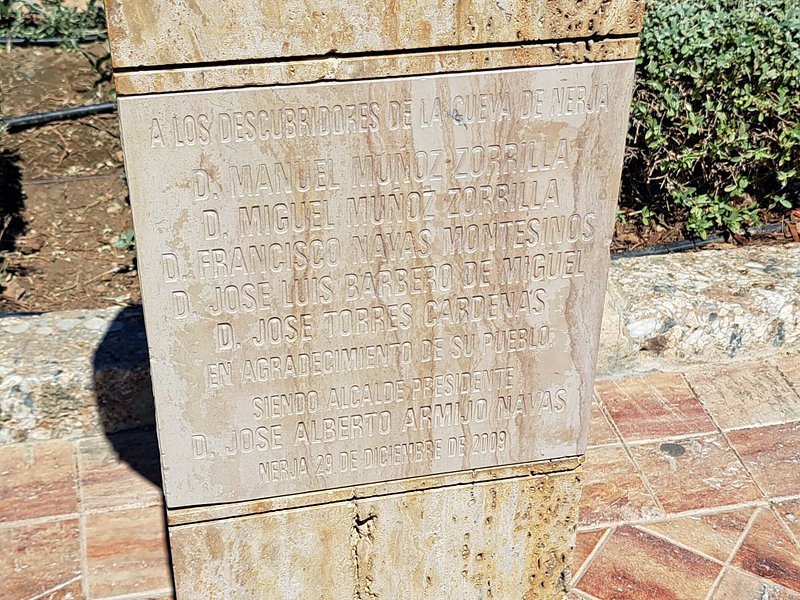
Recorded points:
(362,532)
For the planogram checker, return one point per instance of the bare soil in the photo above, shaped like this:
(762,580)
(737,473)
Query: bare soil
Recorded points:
(64,211)
(632,235)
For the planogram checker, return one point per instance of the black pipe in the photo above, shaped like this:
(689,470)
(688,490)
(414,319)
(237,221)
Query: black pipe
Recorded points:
(669,248)
(25,121)
(684,245)
(53,41)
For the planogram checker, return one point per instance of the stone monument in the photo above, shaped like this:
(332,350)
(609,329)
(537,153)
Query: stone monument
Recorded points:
(373,245)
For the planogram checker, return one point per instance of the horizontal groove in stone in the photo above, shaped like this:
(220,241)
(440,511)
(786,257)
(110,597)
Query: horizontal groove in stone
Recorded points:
(348,68)
(202,514)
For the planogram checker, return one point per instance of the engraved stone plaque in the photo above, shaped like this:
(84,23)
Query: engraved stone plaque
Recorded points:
(367,281)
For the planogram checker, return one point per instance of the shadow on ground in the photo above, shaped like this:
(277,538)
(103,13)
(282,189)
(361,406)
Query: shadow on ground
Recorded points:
(124,393)
(11,200)
(11,223)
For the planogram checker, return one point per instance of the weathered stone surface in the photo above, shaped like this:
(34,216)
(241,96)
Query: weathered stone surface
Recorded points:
(72,374)
(172,32)
(702,307)
(371,66)
(389,287)
(364,281)
(503,539)
(183,516)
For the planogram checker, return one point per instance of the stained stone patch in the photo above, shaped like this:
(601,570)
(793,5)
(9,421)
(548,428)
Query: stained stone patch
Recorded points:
(75,373)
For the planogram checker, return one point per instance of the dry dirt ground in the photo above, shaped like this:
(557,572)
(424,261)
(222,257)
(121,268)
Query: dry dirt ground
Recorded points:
(65,219)
(64,214)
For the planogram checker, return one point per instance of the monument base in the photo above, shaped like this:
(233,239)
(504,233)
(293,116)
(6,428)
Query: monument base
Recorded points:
(504,535)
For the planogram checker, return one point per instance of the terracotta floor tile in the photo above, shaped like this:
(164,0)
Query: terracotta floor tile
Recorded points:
(736,585)
(790,512)
(41,559)
(695,473)
(585,543)
(126,552)
(600,432)
(653,406)
(37,480)
(634,564)
(714,535)
(769,553)
(773,456)
(120,471)
(612,489)
(745,395)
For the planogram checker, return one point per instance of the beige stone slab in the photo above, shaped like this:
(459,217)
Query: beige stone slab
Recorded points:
(304,553)
(370,66)
(183,516)
(303,338)
(507,539)
(173,32)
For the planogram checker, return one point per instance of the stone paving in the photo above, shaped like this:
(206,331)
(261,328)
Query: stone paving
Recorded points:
(692,486)
(692,491)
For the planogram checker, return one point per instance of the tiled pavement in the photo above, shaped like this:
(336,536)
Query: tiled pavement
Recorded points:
(692,491)
(692,486)
(76,521)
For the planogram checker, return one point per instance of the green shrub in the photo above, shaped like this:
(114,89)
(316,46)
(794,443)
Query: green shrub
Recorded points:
(29,19)
(715,129)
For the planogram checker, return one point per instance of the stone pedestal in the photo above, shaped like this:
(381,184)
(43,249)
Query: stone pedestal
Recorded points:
(508,534)
(373,245)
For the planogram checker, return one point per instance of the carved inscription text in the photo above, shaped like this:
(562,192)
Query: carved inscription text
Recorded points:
(357,282)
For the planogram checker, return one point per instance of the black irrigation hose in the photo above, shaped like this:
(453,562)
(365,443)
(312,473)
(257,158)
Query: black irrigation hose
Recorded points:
(684,245)
(53,41)
(25,121)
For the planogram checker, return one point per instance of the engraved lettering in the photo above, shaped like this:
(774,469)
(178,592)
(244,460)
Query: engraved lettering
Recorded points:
(579,100)
(358,287)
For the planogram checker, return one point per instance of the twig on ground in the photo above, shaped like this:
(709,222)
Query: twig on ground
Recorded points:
(103,274)
(71,287)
